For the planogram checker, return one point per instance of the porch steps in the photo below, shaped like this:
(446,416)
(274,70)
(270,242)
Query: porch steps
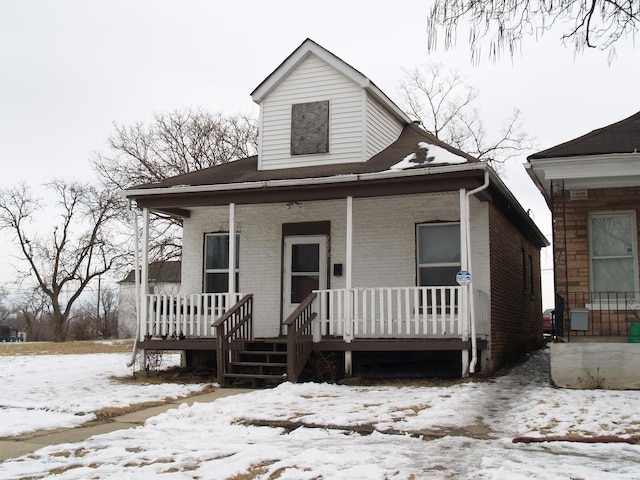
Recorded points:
(259,362)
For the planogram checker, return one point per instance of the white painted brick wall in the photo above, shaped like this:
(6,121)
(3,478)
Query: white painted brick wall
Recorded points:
(384,244)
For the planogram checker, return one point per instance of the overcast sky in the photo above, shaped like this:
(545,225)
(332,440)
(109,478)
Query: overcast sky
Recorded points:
(71,69)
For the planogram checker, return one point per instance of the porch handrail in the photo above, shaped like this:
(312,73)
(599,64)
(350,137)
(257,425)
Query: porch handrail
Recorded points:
(392,312)
(233,329)
(300,336)
(183,315)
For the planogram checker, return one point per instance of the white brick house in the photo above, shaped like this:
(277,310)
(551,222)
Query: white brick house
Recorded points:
(351,224)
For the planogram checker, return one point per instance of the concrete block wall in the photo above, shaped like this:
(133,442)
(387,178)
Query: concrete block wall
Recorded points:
(596,365)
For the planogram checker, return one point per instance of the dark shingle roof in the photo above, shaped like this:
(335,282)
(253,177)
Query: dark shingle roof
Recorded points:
(619,137)
(160,272)
(246,170)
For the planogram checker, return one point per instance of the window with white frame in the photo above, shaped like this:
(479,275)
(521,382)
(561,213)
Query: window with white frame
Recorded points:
(216,262)
(438,253)
(612,252)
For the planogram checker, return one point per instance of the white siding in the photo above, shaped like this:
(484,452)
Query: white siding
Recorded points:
(313,80)
(384,251)
(355,120)
(382,128)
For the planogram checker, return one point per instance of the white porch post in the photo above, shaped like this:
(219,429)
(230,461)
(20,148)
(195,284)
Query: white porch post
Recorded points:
(464,265)
(349,255)
(232,254)
(136,284)
(136,273)
(349,285)
(144,271)
(144,282)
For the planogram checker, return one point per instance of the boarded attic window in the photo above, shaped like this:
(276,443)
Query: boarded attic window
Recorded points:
(310,128)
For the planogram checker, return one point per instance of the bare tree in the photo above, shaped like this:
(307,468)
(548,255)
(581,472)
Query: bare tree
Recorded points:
(503,24)
(108,317)
(174,143)
(32,312)
(5,310)
(444,103)
(96,317)
(177,142)
(78,248)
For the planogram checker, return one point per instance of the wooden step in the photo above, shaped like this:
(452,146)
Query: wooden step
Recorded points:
(262,352)
(258,376)
(258,364)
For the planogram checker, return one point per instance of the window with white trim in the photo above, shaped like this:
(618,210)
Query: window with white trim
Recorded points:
(613,254)
(216,262)
(438,253)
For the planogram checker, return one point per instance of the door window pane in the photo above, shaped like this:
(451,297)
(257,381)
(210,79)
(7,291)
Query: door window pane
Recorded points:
(302,286)
(305,257)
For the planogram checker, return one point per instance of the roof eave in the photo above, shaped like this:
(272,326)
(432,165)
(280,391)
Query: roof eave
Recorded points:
(301,182)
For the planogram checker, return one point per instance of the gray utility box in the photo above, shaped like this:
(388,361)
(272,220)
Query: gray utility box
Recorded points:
(580,319)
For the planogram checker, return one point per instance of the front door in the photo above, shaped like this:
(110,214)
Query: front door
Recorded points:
(304,269)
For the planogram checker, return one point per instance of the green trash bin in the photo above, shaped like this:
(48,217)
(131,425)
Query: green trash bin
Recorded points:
(634,333)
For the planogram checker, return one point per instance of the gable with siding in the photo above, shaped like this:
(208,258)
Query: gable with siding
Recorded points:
(362,120)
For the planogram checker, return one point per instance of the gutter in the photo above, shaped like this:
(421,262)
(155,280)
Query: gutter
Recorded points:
(294,182)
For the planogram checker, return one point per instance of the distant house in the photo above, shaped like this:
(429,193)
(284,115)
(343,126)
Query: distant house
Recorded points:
(353,234)
(163,279)
(10,334)
(592,185)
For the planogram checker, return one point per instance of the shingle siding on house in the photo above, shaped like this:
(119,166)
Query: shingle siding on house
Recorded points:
(516,312)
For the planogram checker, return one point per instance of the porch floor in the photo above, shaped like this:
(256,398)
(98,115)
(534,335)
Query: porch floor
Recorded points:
(329,344)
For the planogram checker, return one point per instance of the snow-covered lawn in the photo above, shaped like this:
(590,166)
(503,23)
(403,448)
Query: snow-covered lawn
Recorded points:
(477,422)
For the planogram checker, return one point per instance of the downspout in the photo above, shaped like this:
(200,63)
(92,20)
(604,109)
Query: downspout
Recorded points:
(348,334)
(136,282)
(474,346)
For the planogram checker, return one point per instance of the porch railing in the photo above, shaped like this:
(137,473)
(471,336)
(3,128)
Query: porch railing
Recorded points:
(393,312)
(185,315)
(233,330)
(300,336)
(599,314)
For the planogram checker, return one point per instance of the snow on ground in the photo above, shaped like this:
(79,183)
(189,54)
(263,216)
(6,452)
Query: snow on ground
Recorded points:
(51,391)
(477,420)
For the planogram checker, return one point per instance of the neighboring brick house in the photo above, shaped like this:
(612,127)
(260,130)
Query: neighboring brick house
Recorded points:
(353,228)
(592,185)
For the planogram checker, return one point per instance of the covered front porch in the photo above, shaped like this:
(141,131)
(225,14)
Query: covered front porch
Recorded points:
(358,293)
(338,320)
